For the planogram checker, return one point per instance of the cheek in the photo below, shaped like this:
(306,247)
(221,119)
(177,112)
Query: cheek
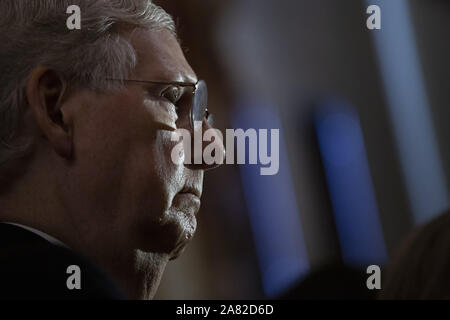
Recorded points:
(106,134)
(94,184)
(167,175)
(159,178)
(161,115)
(124,172)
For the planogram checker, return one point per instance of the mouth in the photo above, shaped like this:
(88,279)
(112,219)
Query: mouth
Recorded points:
(191,190)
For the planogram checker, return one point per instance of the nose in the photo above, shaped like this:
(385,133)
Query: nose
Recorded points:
(212,150)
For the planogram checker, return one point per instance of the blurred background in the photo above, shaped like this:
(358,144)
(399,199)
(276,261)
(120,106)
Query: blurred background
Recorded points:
(364,126)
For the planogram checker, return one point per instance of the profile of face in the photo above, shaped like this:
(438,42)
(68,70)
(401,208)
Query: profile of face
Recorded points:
(120,185)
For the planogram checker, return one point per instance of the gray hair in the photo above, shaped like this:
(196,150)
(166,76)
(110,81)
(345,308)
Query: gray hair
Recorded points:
(34,33)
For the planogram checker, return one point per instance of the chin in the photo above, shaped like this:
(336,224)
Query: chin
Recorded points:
(169,236)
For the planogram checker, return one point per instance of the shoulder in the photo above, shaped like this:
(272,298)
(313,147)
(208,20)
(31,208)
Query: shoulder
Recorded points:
(33,268)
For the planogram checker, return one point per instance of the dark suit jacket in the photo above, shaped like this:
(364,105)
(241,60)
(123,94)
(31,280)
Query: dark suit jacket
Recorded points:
(33,268)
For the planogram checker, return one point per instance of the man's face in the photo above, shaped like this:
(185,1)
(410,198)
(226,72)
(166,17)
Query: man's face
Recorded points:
(123,185)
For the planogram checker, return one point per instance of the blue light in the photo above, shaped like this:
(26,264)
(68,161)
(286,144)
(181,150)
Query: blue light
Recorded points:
(409,108)
(349,183)
(273,211)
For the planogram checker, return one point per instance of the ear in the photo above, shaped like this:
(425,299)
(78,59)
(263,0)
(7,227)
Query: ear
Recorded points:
(46,93)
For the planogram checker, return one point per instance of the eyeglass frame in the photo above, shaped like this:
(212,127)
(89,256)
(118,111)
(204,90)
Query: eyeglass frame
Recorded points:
(207,114)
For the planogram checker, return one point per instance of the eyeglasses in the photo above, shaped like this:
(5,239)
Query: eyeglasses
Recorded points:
(198,109)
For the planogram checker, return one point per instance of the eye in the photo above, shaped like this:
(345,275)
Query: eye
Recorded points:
(173,94)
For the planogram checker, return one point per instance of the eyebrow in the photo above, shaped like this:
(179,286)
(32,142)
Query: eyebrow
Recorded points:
(181,78)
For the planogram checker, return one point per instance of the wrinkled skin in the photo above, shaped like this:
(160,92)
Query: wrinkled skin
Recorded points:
(101,178)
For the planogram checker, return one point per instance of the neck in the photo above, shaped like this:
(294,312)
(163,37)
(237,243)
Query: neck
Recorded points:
(24,203)
(136,272)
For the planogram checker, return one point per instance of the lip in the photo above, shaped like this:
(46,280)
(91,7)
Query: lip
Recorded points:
(188,196)
(191,190)
(187,202)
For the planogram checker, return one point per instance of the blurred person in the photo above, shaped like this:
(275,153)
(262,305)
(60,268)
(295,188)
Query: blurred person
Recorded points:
(86,175)
(420,269)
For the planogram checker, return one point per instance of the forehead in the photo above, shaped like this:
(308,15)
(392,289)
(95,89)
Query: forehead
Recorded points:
(160,57)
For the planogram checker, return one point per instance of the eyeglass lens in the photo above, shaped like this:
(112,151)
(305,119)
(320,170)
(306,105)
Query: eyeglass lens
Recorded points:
(200,103)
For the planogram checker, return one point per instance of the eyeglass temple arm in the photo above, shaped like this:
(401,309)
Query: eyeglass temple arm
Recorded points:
(178,83)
